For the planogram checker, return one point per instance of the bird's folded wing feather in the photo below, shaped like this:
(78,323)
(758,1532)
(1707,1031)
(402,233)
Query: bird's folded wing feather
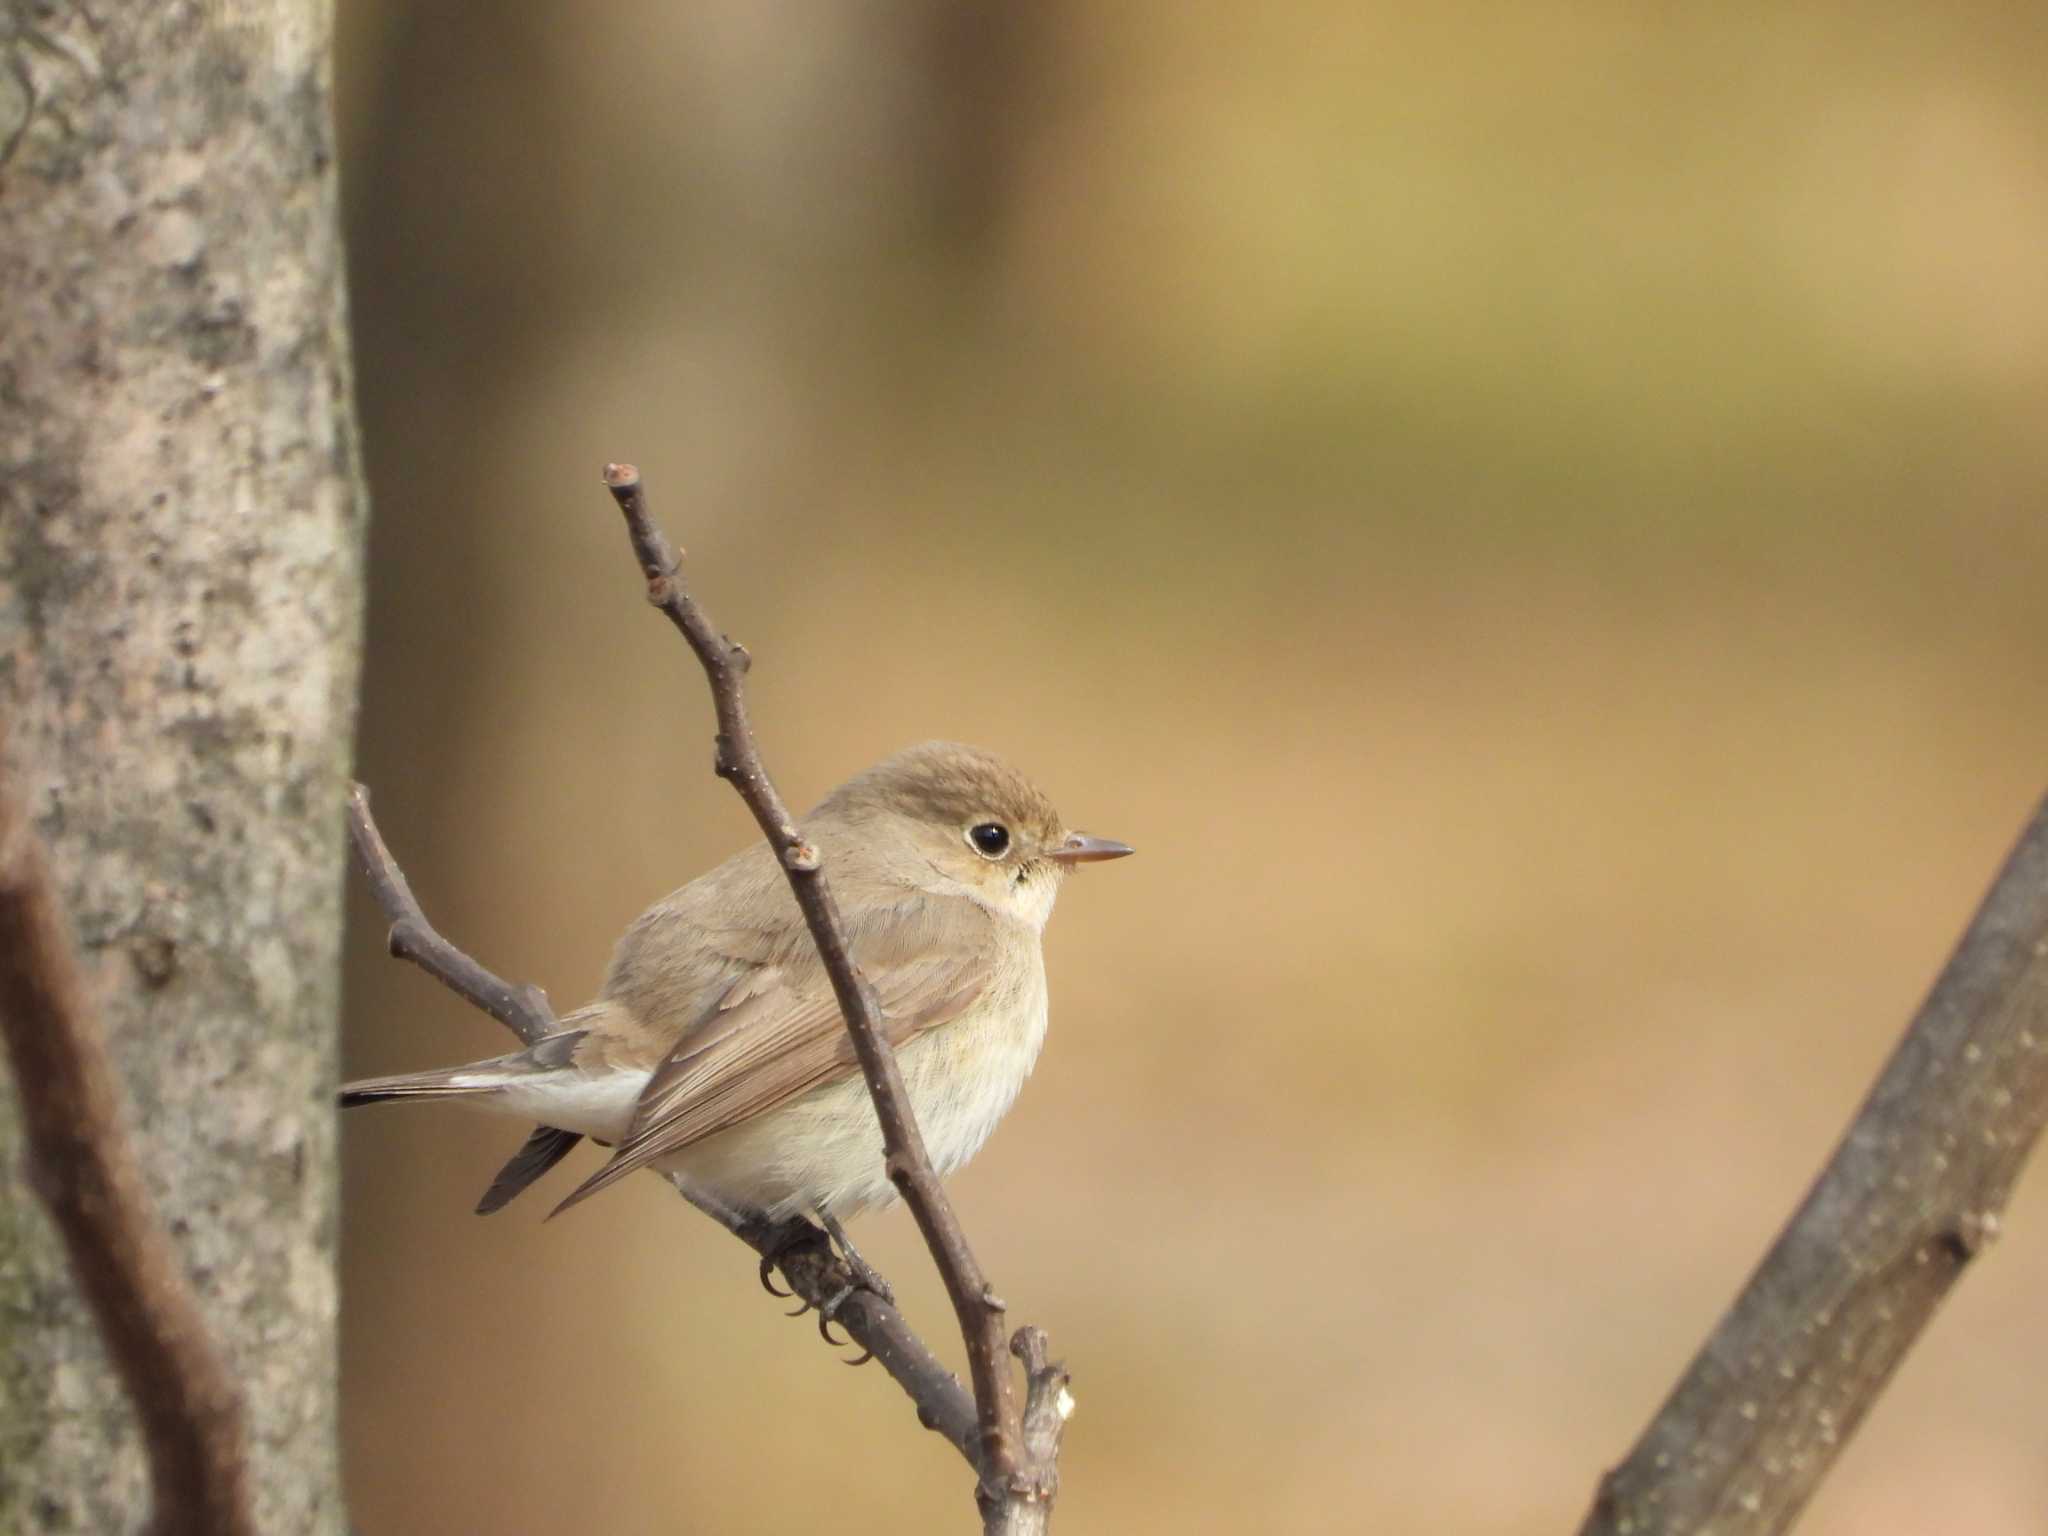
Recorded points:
(776,1032)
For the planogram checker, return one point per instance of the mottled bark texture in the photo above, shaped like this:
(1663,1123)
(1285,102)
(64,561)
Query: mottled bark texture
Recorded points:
(180,593)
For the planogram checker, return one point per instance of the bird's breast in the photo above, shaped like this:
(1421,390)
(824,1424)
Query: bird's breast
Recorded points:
(964,1076)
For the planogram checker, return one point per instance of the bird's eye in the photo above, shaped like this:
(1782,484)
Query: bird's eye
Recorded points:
(991,839)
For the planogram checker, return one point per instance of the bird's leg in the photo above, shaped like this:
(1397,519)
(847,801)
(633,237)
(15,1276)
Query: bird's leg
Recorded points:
(865,1275)
(865,1278)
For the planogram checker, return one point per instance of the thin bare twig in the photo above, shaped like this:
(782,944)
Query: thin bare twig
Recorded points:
(1009,1477)
(83,1166)
(1912,1194)
(799,1250)
(522,1009)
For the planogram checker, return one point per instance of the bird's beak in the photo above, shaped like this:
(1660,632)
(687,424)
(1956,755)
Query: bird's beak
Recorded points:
(1080,848)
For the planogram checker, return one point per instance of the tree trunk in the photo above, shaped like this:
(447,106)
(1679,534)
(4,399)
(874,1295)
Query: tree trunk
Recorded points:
(180,602)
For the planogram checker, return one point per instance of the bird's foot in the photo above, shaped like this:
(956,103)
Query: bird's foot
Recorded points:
(793,1233)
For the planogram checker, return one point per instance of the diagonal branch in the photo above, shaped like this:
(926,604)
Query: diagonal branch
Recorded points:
(1912,1194)
(802,1253)
(1009,1476)
(523,1010)
(84,1168)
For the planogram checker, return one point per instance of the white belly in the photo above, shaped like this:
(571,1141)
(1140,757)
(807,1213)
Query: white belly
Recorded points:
(824,1150)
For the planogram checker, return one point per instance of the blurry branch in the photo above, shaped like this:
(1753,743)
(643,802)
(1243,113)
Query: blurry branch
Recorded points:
(1911,1195)
(84,1169)
(1017,1481)
(803,1253)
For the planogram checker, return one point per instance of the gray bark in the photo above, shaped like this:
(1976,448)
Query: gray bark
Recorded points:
(180,605)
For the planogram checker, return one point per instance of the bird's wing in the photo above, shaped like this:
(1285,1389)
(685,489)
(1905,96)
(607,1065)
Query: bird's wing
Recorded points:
(775,1032)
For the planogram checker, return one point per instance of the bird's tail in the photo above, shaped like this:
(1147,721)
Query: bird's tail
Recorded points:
(505,1084)
(476,1079)
(449,1083)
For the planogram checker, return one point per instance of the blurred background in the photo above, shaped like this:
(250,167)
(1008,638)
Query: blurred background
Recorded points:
(1531,518)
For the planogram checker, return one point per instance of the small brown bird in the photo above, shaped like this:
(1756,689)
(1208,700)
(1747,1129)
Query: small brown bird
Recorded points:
(716,1050)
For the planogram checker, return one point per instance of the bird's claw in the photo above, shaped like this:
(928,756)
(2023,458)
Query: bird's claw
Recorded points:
(830,1310)
(828,1313)
(767,1284)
